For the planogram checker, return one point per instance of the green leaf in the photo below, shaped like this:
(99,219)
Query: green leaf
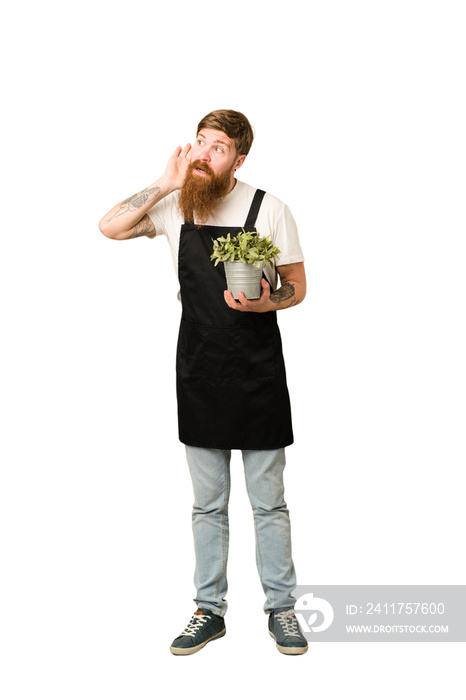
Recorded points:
(246,246)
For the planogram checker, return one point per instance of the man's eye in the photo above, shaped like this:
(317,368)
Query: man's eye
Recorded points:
(218,149)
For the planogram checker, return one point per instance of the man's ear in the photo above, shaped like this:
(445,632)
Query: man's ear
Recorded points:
(239,161)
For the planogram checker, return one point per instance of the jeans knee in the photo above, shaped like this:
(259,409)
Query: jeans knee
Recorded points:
(210,508)
(269,510)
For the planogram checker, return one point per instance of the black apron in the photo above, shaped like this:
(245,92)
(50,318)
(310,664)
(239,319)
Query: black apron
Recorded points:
(231,381)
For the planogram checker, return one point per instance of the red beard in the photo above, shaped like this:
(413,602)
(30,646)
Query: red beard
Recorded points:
(201,193)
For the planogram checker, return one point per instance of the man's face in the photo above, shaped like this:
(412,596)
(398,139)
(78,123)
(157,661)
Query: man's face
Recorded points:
(210,175)
(217,151)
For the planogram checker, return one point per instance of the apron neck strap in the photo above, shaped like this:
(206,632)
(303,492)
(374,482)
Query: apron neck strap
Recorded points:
(254,210)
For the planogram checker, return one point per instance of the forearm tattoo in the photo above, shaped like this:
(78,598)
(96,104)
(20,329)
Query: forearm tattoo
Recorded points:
(136,202)
(143,227)
(286,291)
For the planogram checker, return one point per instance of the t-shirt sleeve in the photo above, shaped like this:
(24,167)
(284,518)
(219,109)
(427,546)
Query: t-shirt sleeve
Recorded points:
(167,221)
(159,214)
(283,231)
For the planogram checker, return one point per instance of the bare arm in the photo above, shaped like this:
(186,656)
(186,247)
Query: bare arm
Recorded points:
(293,289)
(291,292)
(129,219)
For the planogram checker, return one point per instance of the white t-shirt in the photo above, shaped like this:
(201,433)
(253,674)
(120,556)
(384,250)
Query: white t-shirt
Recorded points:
(274,219)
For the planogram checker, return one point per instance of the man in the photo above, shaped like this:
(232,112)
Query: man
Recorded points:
(231,383)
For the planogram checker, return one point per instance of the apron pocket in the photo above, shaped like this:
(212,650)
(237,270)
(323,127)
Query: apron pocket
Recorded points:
(219,351)
(257,351)
(245,353)
(189,355)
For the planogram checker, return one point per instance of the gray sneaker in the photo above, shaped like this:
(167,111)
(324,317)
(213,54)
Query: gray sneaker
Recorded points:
(285,629)
(203,628)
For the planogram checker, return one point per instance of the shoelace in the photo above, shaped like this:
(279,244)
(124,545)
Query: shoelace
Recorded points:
(289,623)
(196,623)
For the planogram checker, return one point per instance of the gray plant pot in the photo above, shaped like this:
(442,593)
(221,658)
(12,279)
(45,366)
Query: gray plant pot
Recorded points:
(243,277)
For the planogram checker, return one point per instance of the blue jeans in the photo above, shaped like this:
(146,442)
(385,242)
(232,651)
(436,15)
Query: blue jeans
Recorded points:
(210,473)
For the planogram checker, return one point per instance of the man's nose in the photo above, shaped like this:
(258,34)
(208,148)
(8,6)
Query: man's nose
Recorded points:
(204,154)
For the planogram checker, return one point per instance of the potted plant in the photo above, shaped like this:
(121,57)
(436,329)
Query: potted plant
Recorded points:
(244,256)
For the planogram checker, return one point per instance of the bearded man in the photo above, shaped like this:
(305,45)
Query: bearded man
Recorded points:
(231,381)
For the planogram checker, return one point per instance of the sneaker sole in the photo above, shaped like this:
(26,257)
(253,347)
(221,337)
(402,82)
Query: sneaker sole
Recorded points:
(291,651)
(192,650)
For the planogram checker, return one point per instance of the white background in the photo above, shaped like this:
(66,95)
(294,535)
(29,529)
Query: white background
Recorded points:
(359,114)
